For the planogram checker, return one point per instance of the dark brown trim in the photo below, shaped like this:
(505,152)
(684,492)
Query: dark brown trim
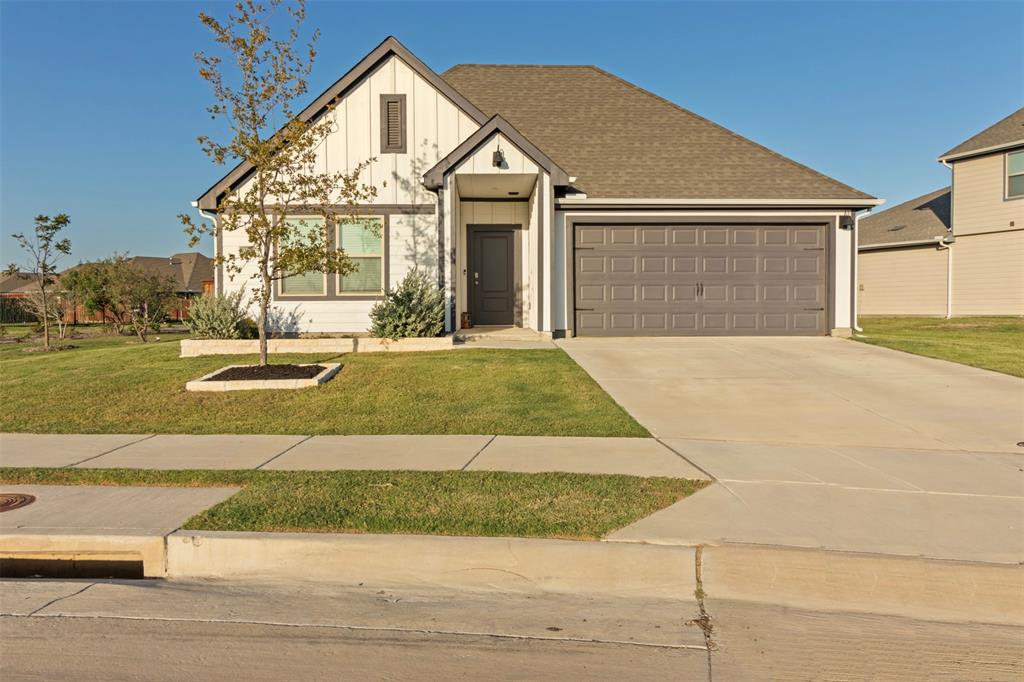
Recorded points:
(384,147)
(683,206)
(361,209)
(433,178)
(569,256)
(496,200)
(517,260)
(832,259)
(390,46)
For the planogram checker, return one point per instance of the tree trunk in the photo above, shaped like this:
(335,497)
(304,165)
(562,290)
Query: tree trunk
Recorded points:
(262,323)
(46,318)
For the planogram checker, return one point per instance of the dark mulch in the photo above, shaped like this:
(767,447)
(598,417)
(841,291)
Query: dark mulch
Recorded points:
(254,372)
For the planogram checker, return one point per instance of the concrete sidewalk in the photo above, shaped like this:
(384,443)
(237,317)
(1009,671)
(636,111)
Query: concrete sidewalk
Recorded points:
(528,454)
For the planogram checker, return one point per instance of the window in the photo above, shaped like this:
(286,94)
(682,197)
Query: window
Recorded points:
(1015,175)
(363,241)
(306,283)
(392,124)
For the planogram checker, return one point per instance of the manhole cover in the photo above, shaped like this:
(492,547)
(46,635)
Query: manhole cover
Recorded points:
(9,501)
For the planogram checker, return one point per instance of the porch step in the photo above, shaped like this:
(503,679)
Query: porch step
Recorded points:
(484,334)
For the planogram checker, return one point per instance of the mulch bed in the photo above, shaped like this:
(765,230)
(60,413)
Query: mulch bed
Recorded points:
(255,372)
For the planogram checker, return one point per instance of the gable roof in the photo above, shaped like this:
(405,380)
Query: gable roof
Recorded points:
(496,124)
(1008,132)
(622,141)
(390,46)
(188,270)
(922,219)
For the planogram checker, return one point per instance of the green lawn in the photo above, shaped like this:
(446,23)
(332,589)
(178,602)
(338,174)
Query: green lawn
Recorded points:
(551,505)
(115,385)
(995,343)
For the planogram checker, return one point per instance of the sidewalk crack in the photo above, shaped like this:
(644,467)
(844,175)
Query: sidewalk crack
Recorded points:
(66,596)
(89,459)
(287,449)
(703,621)
(473,458)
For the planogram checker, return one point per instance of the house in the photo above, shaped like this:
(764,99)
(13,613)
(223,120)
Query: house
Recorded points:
(568,201)
(192,273)
(958,250)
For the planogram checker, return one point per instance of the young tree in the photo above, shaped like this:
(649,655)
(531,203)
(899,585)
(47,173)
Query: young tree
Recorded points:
(44,250)
(142,298)
(255,85)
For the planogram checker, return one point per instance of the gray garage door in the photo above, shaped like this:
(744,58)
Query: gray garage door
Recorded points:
(675,280)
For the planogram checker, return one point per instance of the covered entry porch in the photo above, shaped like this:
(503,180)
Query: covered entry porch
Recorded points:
(496,198)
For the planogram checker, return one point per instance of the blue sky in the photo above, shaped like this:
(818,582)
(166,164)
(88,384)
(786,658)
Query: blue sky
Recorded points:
(100,103)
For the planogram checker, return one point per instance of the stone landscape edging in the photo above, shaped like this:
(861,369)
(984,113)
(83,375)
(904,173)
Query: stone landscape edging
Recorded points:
(192,348)
(204,384)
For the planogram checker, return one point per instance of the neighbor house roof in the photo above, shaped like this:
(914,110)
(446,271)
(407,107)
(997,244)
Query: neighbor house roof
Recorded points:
(919,220)
(622,141)
(15,283)
(1006,133)
(187,269)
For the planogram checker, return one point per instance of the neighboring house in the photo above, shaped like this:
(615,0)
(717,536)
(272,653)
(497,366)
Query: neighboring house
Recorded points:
(958,250)
(192,273)
(566,200)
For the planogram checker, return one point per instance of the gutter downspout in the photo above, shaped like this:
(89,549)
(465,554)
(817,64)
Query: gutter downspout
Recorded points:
(218,286)
(855,267)
(947,244)
(948,241)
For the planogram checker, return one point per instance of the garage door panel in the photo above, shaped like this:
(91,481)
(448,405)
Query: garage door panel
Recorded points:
(689,279)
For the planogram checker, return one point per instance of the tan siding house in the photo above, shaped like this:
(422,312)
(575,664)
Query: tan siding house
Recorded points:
(958,250)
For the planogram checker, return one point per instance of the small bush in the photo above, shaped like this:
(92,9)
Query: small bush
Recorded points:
(414,309)
(220,317)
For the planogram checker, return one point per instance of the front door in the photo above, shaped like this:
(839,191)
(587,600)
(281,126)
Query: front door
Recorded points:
(491,275)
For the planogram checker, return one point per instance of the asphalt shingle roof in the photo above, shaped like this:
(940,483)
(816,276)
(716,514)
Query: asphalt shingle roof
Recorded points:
(920,219)
(622,141)
(1007,131)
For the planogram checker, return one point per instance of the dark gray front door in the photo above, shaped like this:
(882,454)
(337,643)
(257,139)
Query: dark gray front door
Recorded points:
(491,275)
(701,280)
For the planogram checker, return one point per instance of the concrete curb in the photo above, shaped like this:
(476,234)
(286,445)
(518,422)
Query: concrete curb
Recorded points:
(926,589)
(481,564)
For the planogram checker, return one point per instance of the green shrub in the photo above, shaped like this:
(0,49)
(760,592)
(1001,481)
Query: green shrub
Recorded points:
(414,309)
(220,317)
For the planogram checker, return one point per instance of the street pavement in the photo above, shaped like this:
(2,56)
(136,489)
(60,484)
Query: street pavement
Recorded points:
(173,631)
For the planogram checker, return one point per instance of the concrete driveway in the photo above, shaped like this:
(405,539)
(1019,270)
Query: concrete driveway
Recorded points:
(825,442)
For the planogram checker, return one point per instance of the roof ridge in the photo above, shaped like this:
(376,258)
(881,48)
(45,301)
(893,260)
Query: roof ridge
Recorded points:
(935,193)
(732,133)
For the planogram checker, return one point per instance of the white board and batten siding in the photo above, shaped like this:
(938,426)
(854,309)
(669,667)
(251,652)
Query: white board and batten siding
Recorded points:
(434,126)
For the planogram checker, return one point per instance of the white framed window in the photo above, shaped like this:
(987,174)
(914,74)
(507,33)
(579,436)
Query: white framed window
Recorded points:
(304,283)
(1015,175)
(362,239)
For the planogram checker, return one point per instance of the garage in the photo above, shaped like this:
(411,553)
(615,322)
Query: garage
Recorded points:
(686,279)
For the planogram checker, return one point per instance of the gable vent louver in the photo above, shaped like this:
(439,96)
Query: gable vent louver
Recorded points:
(392,123)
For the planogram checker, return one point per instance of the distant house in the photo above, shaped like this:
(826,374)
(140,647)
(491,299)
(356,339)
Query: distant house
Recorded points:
(192,273)
(958,250)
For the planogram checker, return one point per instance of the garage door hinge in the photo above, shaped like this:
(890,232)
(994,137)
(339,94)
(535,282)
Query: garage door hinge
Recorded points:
(584,248)
(813,308)
(814,248)
(585,310)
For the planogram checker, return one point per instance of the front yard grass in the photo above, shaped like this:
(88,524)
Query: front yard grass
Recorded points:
(115,385)
(995,343)
(470,503)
